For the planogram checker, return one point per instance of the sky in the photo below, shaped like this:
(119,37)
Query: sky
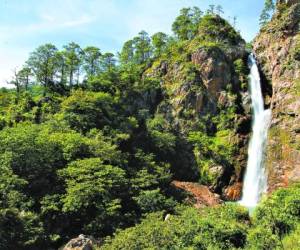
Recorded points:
(107,24)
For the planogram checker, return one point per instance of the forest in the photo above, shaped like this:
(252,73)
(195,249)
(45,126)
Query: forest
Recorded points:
(91,142)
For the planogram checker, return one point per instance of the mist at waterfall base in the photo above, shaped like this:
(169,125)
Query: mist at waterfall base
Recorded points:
(255,180)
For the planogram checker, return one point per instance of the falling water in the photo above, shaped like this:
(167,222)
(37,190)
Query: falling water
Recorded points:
(255,181)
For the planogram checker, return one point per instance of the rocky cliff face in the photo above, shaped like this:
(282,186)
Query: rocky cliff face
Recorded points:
(205,99)
(277,49)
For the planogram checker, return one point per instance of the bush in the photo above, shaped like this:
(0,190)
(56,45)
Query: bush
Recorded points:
(93,194)
(216,228)
(21,230)
(276,216)
(85,110)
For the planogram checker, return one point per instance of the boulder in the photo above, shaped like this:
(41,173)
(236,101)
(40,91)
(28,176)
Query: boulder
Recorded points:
(234,192)
(82,242)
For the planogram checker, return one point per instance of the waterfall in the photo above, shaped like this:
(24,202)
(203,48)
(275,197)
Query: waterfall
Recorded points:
(255,181)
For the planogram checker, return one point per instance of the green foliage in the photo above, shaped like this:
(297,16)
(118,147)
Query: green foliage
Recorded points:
(275,217)
(185,25)
(159,41)
(214,28)
(225,227)
(43,63)
(20,230)
(84,110)
(89,144)
(154,201)
(11,188)
(93,191)
(72,56)
(212,151)
(149,174)
(242,70)
(187,229)
(261,237)
(139,50)
(292,241)
(30,154)
(267,12)
(91,57)
(158,130)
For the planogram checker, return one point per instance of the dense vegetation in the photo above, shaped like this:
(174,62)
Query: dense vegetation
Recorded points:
(274,225)
(90,142)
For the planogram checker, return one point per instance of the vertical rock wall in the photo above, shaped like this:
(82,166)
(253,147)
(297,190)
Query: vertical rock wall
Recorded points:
(277,49)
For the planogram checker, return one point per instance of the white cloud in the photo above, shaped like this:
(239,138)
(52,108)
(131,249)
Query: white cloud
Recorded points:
(50,23)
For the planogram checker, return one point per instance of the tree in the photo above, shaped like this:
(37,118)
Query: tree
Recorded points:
(91,57)
(274,218)
(11,188)
(234,21)
(61,67)
(24,75)
(219,10)
(153,201)
(94,190)
(44,65)
(84,110)
(159,42)
(21,79)
(21,230)
(73,54)
(127,52)
(16,82)
(224,227)
(108,62)
(30,154)
(211,9)
(267,12)
(142,45)
(185,25)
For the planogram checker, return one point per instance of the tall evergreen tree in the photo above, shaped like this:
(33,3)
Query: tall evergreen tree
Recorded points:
(127,53)
(267,12)
(185,25)
(44,64)
(73,55)
(24,76)
(143,48)
(61,67)
(159,41)
(91,58)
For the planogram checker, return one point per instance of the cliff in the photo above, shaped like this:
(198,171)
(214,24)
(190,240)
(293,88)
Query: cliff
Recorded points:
(277,48)
(205,99)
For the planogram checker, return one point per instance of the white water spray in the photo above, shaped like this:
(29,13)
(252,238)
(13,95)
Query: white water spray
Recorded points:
(255,181)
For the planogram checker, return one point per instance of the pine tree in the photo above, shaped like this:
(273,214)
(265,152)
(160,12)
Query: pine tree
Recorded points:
(267,12)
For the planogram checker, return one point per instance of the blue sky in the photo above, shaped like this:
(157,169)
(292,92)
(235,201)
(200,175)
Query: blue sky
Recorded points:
(107,24)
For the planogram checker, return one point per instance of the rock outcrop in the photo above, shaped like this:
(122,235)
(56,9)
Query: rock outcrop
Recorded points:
(277,49)
(200,195)
(204,83)
(82,242)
